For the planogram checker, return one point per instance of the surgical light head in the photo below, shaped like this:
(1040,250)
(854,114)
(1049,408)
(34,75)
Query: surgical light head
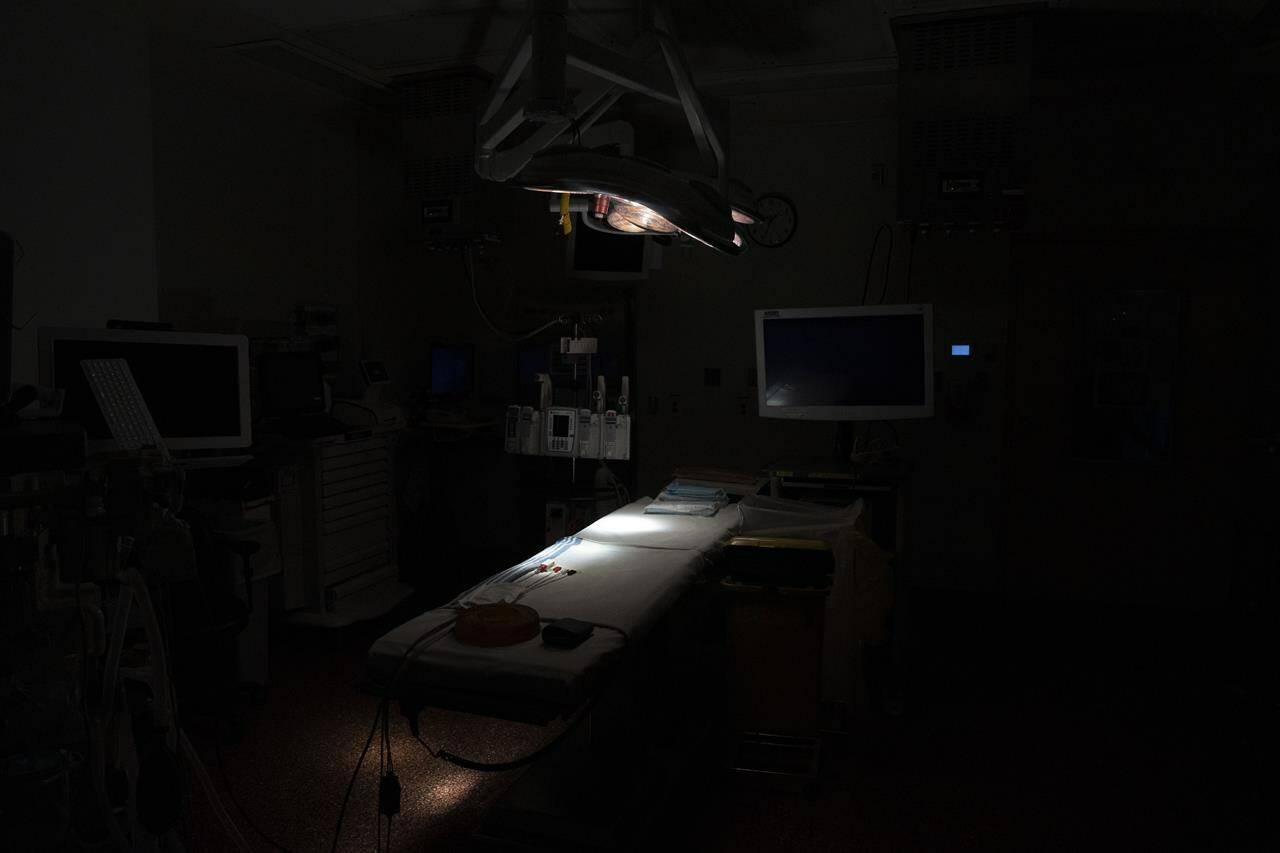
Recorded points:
(531,133)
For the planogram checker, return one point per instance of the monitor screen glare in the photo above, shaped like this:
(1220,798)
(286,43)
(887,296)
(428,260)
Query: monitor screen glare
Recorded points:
(854,363)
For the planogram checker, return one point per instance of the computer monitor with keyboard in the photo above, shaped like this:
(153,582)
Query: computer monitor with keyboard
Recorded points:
(196,385)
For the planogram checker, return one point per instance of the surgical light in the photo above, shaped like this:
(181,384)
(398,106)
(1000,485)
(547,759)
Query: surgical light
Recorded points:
(636,218)
(532,128)
(643,197)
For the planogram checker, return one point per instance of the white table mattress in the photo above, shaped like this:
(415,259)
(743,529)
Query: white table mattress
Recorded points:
(630,568)
(630,526)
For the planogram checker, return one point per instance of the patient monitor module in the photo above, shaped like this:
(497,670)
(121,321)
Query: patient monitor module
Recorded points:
(547,430)
(561,426)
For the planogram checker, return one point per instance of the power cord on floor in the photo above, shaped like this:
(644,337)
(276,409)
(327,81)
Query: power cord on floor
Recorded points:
(434,753)
(388,784)
(430,633)
(346,798)
(502,766)
(389,790)
(515,764)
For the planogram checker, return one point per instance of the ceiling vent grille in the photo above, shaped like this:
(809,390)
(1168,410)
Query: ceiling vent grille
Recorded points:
(962,44)
(447,96)
(439,176)
(964,143)
(443,199)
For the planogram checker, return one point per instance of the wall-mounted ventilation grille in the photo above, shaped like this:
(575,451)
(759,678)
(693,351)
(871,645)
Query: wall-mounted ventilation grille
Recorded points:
(963,143)
(438,139)
(439,176)
(973,43)
(446,96)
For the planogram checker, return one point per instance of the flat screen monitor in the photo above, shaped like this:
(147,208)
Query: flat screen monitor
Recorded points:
(595,254)
(845,364)
(290,384)
(453,370)
(196,385)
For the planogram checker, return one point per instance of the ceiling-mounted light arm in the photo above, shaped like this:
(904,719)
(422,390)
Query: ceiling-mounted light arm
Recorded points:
(513,114)
(541,46)
(513,65)
(502,124)
(704,132)
(503,113)
(545,47)
(548,65)
(495,165)
(621,69)
(597,113)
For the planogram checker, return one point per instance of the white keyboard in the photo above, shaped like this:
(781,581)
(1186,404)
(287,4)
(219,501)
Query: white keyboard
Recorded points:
(122,406)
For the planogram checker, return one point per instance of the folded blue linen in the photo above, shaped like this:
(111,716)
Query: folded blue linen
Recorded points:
(683,508)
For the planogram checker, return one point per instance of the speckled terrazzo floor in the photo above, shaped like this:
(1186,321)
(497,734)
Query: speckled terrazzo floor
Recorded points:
(292,766)
(1060,744)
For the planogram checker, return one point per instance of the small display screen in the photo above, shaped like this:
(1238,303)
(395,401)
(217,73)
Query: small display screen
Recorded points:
(452,370)
(596,252)
(560,425)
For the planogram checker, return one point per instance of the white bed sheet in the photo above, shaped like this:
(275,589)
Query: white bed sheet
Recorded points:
(629,525)
(628,574)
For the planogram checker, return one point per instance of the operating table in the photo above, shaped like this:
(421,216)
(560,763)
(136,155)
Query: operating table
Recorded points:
(635,577)
(623,573)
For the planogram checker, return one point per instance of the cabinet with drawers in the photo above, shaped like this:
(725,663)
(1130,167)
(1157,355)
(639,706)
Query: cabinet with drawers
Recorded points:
(337,521)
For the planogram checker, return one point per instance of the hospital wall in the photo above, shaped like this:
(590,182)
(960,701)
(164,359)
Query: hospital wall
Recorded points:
(75,95)
(834,153)
(1001,500)
(267,192)
(273,192)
